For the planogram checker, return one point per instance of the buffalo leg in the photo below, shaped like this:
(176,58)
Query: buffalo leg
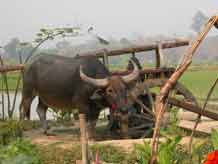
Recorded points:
(124,125)
(41,110)
(91,129)
(25,107)
(91,126)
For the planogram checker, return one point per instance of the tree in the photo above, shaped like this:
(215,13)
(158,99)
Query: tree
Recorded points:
(63,44)
(11,47)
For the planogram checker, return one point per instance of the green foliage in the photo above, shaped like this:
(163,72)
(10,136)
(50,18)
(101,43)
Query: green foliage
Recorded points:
(200,150)
(181,156)
(172,129)
(13,149)
(19,152)
(166,154)
(171,152)
(112,154)
(9,131)
(143,153)
(167,150)
(214,139)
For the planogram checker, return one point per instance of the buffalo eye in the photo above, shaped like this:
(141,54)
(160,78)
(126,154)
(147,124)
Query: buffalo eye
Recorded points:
(109,91)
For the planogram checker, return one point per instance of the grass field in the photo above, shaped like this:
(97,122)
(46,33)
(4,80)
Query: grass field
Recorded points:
(200,81)
(12,78)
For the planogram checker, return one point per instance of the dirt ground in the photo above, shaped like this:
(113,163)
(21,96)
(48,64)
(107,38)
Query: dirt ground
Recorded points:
(67,140)
(65,137)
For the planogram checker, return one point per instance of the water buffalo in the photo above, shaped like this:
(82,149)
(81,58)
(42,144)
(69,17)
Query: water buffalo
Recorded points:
(62,82)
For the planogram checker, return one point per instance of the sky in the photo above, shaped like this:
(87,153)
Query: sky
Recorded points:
(110,18)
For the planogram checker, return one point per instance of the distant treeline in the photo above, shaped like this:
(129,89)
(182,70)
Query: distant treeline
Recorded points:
(208,52)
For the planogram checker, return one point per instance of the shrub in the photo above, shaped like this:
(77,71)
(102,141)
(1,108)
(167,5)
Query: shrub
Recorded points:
(167,151)
(19,152)
(171,152)
(9,131)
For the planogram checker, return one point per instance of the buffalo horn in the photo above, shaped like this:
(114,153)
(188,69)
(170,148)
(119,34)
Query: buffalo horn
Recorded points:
(133,75)
(96,82)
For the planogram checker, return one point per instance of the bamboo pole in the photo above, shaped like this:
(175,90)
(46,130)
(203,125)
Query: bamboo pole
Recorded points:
(84,140)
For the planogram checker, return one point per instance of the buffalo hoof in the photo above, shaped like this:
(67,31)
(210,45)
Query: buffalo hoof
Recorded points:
(125,137)
(49,133)
(91,134)
(91,137)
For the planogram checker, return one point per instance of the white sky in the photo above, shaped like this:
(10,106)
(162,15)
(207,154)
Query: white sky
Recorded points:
(115,18)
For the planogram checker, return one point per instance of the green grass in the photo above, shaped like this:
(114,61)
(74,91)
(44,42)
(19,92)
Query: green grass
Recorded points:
(12,78)
(199,82)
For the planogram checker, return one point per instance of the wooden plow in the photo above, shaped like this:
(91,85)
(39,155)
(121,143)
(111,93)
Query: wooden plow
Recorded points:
(180,96)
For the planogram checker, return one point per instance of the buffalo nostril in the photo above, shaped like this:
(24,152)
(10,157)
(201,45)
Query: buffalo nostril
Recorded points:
(113,106)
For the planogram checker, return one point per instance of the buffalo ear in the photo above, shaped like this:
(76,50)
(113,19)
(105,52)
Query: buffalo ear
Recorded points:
(98,94)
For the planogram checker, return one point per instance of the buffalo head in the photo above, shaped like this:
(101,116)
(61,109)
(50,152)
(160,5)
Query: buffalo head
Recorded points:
(114,88)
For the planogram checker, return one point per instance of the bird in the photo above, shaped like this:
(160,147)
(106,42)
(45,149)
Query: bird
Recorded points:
(100,39)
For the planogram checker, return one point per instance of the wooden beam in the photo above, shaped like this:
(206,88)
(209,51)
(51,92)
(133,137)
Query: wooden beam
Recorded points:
(192,108)
(149,47)
(144,71)
(8,68)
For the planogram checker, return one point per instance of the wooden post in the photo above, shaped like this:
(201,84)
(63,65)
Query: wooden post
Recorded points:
(157,58)
(84,140)
(160,61)
(106,60)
